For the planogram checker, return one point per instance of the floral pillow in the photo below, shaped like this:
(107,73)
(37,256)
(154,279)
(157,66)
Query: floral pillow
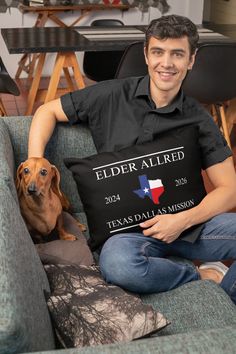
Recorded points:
(87,311)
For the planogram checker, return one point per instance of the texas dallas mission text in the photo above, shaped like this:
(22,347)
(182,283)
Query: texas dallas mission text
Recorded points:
(142,164)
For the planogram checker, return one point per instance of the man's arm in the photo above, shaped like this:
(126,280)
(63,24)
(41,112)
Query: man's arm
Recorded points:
(222,198)
(42,126)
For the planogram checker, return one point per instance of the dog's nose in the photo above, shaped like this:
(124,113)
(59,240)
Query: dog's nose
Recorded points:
(32,188)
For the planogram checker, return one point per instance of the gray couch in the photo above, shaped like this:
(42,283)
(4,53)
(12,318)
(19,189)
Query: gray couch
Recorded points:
(203,317)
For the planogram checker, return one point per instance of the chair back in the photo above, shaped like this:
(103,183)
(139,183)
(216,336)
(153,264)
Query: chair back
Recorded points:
(132,62)
(102,65)
(213,77)
(7,84)
(107,22)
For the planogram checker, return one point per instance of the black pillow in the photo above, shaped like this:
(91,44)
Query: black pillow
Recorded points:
(86,310)
(121,189)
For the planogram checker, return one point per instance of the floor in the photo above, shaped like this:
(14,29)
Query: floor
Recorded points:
(16,105)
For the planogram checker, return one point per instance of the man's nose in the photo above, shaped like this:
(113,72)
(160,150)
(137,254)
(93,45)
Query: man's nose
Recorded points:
(167,60)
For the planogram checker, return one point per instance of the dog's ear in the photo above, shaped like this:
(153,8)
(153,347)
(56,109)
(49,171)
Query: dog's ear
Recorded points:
(18,176)
(55,184)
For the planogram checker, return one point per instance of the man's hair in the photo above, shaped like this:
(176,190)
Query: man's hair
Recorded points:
(173,26)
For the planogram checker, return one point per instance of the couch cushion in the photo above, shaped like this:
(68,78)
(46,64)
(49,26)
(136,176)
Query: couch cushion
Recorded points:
(194,306)
(88,311)
(123,188)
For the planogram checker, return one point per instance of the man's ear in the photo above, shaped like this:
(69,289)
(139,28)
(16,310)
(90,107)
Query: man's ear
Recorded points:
(145,54)
(192,61)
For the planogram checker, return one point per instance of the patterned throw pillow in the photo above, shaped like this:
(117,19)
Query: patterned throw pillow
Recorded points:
(123,188)
(88,311)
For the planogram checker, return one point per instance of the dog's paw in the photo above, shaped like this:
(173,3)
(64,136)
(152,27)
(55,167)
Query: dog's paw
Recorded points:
(68,237)
(81,226)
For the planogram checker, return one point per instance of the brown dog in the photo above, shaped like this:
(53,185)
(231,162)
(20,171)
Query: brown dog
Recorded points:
(41,200)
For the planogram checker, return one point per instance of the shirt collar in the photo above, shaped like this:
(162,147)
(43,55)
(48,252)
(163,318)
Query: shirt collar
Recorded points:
(143,89)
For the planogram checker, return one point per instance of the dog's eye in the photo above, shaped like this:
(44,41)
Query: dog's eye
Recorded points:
(43,172)
(26,170)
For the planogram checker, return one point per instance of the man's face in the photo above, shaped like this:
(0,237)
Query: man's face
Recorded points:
(168,61)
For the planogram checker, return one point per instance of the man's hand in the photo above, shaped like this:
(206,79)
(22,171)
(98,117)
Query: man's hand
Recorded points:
(166,228)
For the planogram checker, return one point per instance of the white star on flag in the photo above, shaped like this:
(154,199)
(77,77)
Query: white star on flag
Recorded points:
(146,190)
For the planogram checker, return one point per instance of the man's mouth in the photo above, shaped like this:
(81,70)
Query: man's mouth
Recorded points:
(166,74)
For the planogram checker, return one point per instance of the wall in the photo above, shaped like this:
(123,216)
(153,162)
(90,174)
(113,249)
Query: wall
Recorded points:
(223,11)
(190,8)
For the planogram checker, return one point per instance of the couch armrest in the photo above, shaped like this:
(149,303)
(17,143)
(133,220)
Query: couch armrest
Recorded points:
(7,165)
(24,319)
(25,324)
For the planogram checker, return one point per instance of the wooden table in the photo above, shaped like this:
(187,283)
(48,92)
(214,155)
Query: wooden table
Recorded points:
(66,41)
(51,12)
(48,12)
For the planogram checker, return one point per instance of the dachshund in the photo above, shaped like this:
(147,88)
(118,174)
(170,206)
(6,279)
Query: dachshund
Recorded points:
(40,198)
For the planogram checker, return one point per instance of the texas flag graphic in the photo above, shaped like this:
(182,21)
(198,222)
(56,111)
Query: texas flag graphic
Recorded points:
(150,188)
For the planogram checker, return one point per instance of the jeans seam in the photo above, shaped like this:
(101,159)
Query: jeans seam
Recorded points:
(232,288)
(218,237)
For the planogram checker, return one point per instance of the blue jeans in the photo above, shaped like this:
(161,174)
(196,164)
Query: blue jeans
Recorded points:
(140,264)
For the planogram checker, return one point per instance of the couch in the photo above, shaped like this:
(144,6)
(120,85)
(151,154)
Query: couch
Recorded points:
(203,317)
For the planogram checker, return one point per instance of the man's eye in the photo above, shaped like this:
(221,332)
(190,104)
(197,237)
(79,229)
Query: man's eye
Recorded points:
(179,55)
(26,170)
(157,52)
(43,172)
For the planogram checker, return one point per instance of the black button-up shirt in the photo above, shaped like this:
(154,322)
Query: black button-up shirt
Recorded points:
(121,113)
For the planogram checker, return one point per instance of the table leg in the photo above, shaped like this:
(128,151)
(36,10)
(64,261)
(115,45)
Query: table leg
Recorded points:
(218,114)
(42,19)
(63,62)
(224,124)
(76,69)
(60,23)
(83,14)
(2,109)
(54,81)
(22,65)
(57,20)
(32,65)
(35,84)
(68,79)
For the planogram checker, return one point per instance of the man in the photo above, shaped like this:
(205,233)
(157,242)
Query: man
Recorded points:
(141,108)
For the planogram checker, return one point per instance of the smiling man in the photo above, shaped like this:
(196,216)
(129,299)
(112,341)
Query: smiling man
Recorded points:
(168,61)
(137,110)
